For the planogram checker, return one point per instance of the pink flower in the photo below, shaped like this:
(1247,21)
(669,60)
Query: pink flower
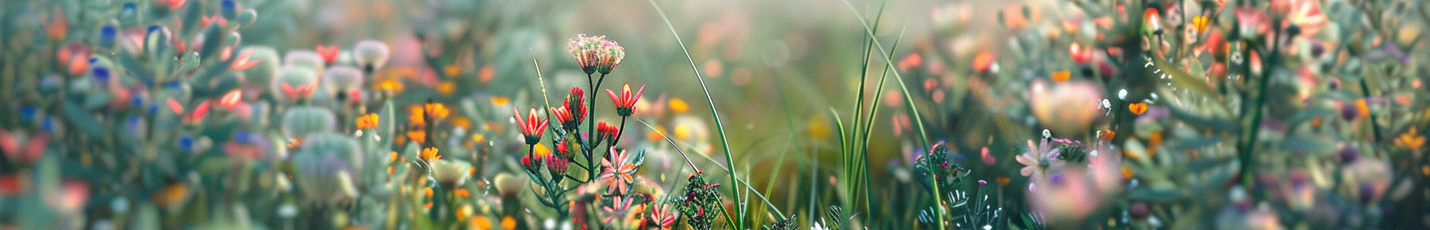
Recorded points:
(619,173)
(1039,159)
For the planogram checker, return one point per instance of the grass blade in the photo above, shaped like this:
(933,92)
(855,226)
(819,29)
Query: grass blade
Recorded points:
(720,128)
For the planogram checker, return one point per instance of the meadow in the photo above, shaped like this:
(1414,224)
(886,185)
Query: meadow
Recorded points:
(702,114)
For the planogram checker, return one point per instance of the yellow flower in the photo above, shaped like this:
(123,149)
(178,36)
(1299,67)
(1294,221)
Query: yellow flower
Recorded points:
(1411,139)
(1199,23)
(437,110)
(678,106)
(430,154)
(446,87)
(368,121)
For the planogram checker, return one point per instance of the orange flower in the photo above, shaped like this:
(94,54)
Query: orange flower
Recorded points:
(1411,139)
(368,121)
(984,61)
(430,154)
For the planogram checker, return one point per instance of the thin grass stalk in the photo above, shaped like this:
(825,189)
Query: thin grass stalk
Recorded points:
(724,141)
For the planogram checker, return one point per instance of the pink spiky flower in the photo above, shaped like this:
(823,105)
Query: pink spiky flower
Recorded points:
(595,53)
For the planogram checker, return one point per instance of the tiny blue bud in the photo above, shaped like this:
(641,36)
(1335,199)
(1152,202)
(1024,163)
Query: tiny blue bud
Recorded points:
(101,74)
(28,112)
(186,143)
(106,36)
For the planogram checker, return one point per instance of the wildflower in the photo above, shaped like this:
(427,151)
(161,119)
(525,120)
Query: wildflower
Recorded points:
(430,154)
(295,84)
(595,53)
(563,148)
(23,148)
(1067,107)
(556,165)
(1067,197)
(619,206)
(368,121)
(625,103)
(1039,159)
(1251,22)
(607,132)
(329,53)
(985,61)
(371,55)
(530,164)
(1080,55)
(531,128)
(565,117)
(1306,15)
(343,80)
(1151,22)
(619,173)
(575,105)
(662,216)
(1411,139)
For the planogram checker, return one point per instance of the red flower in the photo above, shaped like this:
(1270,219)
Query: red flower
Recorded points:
(561,148)
(531,128)
(662,216)
(556,165)
(329,53)
(1079,54)
(1151,22)
(564,116)
(625,103)
(529,164)
(573,111)
(606,131)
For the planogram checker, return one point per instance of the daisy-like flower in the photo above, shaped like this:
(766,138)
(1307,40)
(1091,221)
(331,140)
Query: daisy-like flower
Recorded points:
(1306,15)
(625,102)
(1039,159)
(662,216)
(595,53)
(619,173)
(531,128)
(618,208)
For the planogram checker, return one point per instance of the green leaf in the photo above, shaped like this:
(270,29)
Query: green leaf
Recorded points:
(1154,194)
(1214,123)
(81,120)
(1185,81)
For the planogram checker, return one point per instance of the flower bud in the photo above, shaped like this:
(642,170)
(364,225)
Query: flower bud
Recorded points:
(450,173)
(294,83)
(371,55)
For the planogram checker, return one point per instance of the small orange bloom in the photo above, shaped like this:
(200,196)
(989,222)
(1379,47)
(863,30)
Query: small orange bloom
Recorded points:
(368,121)
(1137,108)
